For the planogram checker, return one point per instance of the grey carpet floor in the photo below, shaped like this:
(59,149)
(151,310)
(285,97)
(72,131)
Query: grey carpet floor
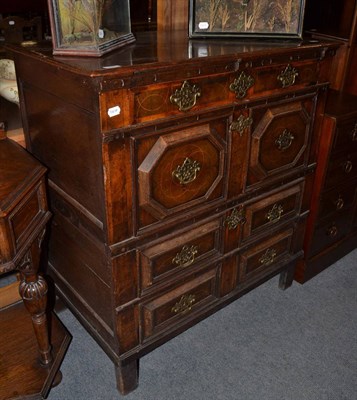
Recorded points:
(298,344)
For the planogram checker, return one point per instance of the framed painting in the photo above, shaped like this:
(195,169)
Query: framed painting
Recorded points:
(90,27)
(246,18)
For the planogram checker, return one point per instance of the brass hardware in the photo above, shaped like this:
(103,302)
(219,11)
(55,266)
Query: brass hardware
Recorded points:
(187,172)
(339,203)
(287,76)
(275,213)
(354,133)
(185,97)
(241,85)
(268,257)
(236,218)
(185,304)
(332,231)
(241,124)
(284,141)
(186,256)
(347,166)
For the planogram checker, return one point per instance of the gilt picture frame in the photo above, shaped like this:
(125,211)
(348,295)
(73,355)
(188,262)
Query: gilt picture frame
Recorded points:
(275,19)
(89,27)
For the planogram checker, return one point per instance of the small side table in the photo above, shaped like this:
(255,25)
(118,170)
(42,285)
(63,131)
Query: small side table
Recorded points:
(30,357)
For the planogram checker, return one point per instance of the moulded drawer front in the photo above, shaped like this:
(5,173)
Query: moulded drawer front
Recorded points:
(337,199)
(280,138)
(271,210)
(148,103)
(25,217)
(284,76)
(331,231)
(262,258)
(341,169)
(181,170)
(346,135)
(179,254)
(175,307)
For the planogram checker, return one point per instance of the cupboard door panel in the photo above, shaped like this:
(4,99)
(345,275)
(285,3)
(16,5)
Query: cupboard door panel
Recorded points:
(181,170)
(280,139)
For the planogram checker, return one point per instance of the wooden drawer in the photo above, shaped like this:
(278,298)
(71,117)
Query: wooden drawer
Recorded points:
(346,135)
(337,199)
(148,103)
(21,222)
(273,209)
(173,308)
(262,258)
(330,231)
(282,77)
(280,139)
(341,169)
(181,170)
(178,254)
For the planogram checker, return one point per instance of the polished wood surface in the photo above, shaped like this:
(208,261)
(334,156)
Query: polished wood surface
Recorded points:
(332,224)
(22,374)
(23,218)
(179,177)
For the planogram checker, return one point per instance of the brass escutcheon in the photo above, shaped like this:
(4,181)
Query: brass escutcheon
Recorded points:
(274,214)
(284,141)
(187,172)
(348,166)
(339,203)
(268,257)
(236,218)
(185,304)
(185,97)
(241,124)
(287,76)
(332,231)
(354,133)
(186,256)
(241,85)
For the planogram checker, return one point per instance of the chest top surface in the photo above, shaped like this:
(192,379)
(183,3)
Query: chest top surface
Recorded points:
(160,50)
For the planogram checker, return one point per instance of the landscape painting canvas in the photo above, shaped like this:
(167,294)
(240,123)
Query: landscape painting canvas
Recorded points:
(246,18)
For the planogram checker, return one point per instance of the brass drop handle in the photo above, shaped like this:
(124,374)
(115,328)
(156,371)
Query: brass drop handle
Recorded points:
(184,304)
(240,124)
(285,140)
(187,172)
(241,85)
(288,76)
(268,257)
(354,133)
(332,231)
(348,166)
(185,98)
(339,203)
(275,213)
(186,256)
(236,218)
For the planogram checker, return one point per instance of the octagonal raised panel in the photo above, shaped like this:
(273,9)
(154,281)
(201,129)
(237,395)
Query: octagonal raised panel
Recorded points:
(182,169)
(280,139)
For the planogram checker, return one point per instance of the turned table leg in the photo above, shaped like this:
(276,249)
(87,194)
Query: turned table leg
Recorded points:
(33,290)
(127,375)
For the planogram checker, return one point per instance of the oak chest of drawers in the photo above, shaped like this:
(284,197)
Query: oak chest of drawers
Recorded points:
(332,224)
(178,176)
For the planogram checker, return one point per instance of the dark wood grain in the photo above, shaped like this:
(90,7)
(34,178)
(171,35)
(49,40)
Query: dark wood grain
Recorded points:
(160,210)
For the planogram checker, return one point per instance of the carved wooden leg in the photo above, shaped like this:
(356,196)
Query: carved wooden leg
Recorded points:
(287,276)
(127,375)
(33,290)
